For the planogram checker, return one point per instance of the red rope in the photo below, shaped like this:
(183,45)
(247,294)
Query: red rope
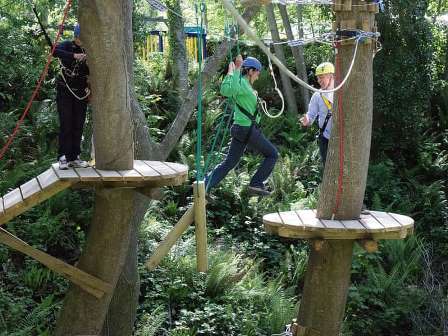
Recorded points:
(340,112)
(39,83)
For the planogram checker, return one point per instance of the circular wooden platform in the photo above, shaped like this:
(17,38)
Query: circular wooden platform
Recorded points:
(303,224)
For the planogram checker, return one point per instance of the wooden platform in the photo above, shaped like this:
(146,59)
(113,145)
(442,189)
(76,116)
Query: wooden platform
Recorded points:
(146,174)
(303,224)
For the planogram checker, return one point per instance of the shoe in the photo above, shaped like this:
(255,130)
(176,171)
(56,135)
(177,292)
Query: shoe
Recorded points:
(78,163)
(260,191)
(63,164)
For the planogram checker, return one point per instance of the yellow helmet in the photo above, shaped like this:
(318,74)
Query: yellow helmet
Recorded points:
(325,68)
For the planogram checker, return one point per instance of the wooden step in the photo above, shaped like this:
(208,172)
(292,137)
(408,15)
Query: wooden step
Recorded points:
(32,193)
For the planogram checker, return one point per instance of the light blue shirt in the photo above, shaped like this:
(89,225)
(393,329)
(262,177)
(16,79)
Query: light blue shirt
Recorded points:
(316,108)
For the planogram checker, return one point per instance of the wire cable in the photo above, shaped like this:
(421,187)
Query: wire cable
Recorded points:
(281,66)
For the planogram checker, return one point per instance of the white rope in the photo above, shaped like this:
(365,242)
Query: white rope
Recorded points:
(264,105)
(281,66)
(71,91)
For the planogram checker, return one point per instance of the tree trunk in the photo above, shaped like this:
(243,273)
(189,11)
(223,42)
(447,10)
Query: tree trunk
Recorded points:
(286,82)
(297,52)
(326,286)
(178,52)
(342,190)
(108,240)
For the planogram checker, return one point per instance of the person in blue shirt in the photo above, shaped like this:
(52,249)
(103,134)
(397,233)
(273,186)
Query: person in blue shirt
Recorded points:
(321,107)
(72,92)
(245,131)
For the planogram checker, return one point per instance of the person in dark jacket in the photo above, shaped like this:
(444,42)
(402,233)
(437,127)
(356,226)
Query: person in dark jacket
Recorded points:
(71,99)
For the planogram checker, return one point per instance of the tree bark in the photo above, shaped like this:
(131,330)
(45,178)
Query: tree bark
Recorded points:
(110,233)
(326,286)
(178,52)
(286,82)
(297,52)
(342,190)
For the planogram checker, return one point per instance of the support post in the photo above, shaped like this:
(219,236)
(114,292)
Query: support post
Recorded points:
(201,226)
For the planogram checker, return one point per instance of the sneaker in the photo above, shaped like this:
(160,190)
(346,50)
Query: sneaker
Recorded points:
(78,163)
(259,191)
(63,164)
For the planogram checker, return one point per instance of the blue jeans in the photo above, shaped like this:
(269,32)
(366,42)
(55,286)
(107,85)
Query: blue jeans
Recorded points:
(243,137)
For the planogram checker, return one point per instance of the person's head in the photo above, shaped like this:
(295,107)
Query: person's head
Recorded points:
(325,75)
(251,68)
(77,33)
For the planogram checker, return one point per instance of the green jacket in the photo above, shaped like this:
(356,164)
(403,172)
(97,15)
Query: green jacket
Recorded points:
(237,87)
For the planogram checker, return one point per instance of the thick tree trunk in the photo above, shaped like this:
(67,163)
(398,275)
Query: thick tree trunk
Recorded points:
(342,190)
(286,82)
(103,256)
(297,52)
(326,286)
(111,229)
(178,51)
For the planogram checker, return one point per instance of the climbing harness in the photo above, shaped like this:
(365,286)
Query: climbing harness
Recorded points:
(327,117)
(72,73)
(39,83)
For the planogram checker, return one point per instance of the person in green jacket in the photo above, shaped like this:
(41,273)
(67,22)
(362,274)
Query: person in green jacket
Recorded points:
(245,131)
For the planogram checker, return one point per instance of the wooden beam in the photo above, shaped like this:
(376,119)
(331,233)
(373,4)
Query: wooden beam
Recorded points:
(200,219)
(368,245)
(87,282)
(164,247)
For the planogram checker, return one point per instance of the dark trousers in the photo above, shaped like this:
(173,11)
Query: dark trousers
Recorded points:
(323,148)
(72,116)
(243,137)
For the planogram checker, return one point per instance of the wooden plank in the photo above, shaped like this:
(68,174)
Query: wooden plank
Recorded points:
(333,224)
(88,174)
(109,175)
(30,188)
(131,175)
(66,174)
(146,171)
(37,198)
(177,167)
(90,284)
(310,224)
(386,220)
(165,246)
(309,219)
(290,218)
(403,220)
(353,225)
(370,223)
(12,199)
(47,178)
(162,168)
